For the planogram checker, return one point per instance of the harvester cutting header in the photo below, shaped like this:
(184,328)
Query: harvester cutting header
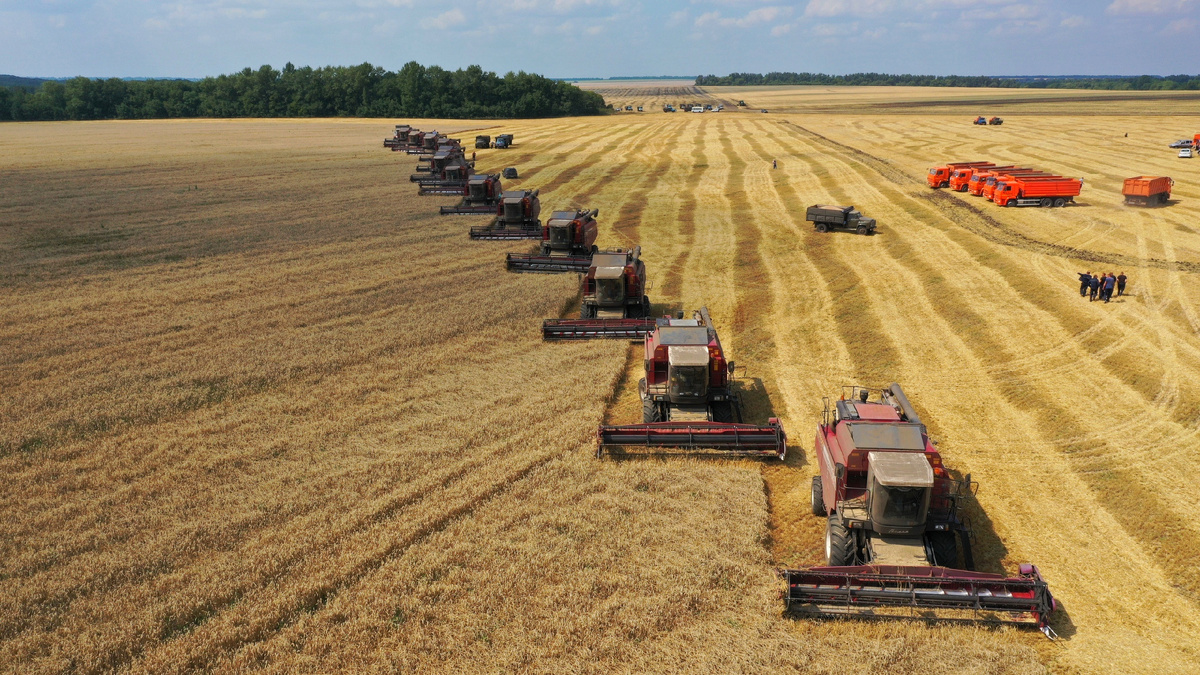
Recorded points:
(688,400)
(893,526)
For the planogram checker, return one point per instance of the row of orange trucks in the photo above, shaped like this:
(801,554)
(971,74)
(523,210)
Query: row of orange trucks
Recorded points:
(1012,185)
(1008,185)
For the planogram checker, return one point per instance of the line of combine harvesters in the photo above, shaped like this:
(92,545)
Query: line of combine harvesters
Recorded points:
(894,521)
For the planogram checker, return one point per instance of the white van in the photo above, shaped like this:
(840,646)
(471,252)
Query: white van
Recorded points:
(697,108)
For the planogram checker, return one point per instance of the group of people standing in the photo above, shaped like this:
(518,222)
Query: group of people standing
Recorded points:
(1100,287)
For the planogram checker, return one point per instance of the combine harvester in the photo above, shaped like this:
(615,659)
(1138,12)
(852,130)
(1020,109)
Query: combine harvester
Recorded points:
(439,161)
(424,144)
(451,181)
(517,217)
(893,527)
(481,197)
(568,243)
(688,403)
(399,139)
(1043,191)
(614,304)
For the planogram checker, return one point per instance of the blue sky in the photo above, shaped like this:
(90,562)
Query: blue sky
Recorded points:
(603,38)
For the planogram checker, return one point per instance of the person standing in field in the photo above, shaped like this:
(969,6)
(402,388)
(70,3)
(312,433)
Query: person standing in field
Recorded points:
(1094,285)
(774,164)
(1121,278)
(1085,278)
(1109,282)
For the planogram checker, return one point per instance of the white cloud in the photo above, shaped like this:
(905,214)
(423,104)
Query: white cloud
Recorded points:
(752,18)
(1148,6)
(1074,21)
(444,20)
(847,7)
(1181,27)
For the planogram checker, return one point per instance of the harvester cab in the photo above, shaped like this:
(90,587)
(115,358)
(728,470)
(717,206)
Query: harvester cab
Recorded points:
(614,304)
(517,217)
(568,242)
(481,195)
(399,138)
(570,233)
(614,286)
(893,526)
(688,400)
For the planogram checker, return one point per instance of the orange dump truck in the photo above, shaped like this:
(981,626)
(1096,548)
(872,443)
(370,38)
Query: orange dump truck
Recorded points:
(980,178)
(939,176)
(1147,190)
(989,186)
(960,180)
(1043,192)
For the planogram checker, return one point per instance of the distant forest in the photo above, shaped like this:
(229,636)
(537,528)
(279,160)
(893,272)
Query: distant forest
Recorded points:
(332,91)
(1140,83)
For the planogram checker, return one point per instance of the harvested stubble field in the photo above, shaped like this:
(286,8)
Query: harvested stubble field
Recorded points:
(261,410)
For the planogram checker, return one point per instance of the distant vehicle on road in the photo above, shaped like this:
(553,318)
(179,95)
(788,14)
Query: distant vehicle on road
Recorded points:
(697,108)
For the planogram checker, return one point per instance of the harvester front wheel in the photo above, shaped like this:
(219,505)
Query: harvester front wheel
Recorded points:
(818,496)
(722,411)
(945,550)
(839,543)
(651,411)
(587,312)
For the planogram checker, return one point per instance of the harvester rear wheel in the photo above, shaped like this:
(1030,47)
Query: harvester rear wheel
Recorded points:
(822,227)
(945,550)
(839,543)
(818,496)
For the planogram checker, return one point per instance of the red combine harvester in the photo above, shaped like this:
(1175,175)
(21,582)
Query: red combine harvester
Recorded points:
(568,243)
(480,197)
(517,217)
(424,144)
(893,527)
(1037,191)
(939,176)
(688,402)
(451,181)
(614,304)
(399,139)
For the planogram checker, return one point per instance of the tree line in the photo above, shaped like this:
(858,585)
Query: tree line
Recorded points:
(332,91)
(1140,83)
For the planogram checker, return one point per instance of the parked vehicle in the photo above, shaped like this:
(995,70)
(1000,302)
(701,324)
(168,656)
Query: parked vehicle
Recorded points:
(826,218)
(1147,190)
(697,109)
(1033,191)
(1181,143)
(1186,153)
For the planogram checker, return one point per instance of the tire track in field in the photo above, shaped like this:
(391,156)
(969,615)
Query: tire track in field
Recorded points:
(627,224)
(673,279)
(1151,523)
(981,223)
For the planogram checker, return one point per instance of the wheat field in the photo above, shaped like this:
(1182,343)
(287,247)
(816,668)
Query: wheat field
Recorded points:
(261,410)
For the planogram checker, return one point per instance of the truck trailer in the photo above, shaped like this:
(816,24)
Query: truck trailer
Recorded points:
(1147,190)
